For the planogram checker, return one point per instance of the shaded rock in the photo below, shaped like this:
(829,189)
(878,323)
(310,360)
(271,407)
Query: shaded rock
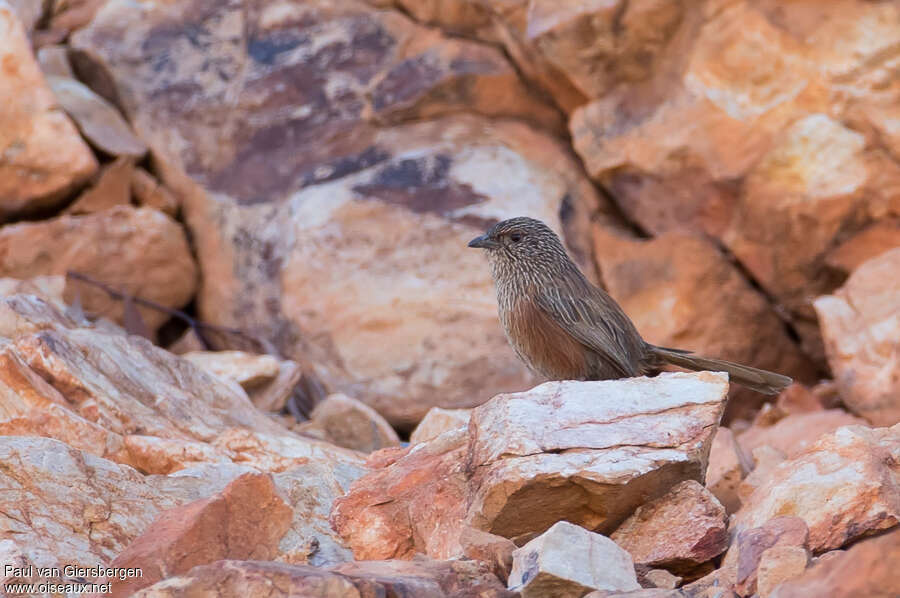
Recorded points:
(778,565)
(844,486)
(139,251)
(346,422)
(868,568)
(611,446)
(744,557)
(860,327)
(66,382)
(680,291)
(147,191)
(793,434)
(54,60)
(72,15)
(724,473)
(496,551)
(244,521)
(112,188)
(376,197)
(267,380)
(659,578)
(437,421)
(42,157)
(882,236)
(685,527)
(569,561)
(415,504)
(97,119)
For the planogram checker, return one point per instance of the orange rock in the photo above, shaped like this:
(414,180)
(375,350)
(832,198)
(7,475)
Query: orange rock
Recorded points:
(244,521)
(43,157)
(860,327)
(112,188)
(882,236)
(140,251)
(685,527)
(843,486)
(346,422)
(868,568)
(778,565)
(149,192)
(793,434)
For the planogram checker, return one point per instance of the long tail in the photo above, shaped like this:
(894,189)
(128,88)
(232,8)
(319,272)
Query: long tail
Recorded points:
(762,381)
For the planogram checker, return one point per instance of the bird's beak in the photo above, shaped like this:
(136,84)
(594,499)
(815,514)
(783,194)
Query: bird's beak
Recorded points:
(483,242)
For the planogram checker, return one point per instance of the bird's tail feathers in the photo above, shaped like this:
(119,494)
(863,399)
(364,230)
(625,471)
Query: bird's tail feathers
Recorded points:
(762,381)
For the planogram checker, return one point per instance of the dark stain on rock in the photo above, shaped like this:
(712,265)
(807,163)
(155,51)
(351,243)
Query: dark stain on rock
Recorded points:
(266,50)
(406,82)
(421,185)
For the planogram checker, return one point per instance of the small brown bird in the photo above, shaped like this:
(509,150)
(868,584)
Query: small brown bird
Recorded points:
(565,328)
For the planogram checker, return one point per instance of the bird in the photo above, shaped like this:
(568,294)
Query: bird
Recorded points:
(563,327)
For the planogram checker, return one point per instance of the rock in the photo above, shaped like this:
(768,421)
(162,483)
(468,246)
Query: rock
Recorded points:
(398,183)
(793,434)
(778,565)
(48,288)
(29,12)
(882,236)
(765,459)
(680,291)
(244,521)
(66,382)
(437,421)
(588,452)
(352,424)
(414,504)
(762,128)
(659,578)
(724,473)
(601,449)
(859,324)
(72,15)
(496,551)
(683,528)
(112,188)
(844,486)
(149,192)
(267,380)
(745,556)
(868,568)
(97,119)
(139,251)
(42,157)
(438,579)
(569,561)
(54,60)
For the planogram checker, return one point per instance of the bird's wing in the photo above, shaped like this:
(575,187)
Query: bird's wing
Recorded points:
(597,322)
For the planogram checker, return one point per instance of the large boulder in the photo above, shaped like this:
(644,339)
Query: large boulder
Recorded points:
(324,217)
(42,157)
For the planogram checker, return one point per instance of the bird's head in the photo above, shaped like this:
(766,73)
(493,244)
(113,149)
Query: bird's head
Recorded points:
(522,242)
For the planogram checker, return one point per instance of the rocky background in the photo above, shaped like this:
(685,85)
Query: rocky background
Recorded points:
(234,281)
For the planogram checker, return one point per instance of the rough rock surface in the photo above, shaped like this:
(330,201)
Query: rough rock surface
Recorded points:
(65,381)
(393,203)
(245,522)
(793,434)
(568,561)
(861,327)
(612,446)
(868,568)
(685,527)
(137,250)
(438,579)
(778,565)
(742,564)
(42,156)
(267,380)
(845,485)
(724,472)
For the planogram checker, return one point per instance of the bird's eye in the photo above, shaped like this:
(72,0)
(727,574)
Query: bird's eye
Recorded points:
(515,237)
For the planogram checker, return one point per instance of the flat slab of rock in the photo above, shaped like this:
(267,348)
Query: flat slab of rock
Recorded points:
(588,452)
(861,327)
(42,156)
(683,528)
(437,421)
(567,561)
(845,485)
